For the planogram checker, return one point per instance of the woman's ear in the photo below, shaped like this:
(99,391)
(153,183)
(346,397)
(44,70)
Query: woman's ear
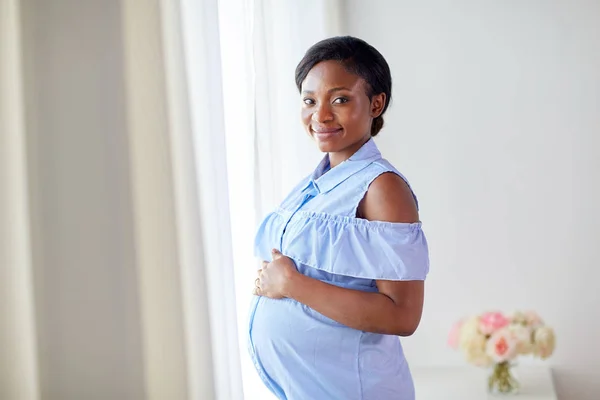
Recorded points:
(377,104)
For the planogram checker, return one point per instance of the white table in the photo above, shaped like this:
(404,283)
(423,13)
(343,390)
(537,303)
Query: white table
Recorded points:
(470,383)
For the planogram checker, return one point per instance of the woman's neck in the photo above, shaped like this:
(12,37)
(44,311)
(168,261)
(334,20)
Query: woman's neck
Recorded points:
(338,157)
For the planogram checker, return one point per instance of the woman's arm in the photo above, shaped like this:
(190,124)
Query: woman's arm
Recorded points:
(371,312)
(395,310)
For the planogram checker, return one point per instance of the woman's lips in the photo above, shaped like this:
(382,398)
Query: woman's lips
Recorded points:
(325,133)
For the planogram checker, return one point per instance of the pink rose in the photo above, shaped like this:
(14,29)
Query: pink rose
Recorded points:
(502,346)
(454,335)
(490,322)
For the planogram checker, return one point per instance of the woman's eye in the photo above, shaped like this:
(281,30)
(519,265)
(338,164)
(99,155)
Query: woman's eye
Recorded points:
(340,100)
(309,102)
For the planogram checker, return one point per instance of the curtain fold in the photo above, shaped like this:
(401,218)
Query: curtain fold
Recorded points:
(179,102)
(202,67)
(195,301)
(18,360)
(157,244)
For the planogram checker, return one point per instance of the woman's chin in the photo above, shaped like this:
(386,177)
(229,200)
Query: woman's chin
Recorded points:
(328,145)
(324,147)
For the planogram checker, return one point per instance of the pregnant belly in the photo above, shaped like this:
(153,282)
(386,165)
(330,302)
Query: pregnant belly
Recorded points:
(297,346)
(287,335)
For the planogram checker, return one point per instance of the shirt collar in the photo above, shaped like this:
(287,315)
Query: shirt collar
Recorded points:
(324,180)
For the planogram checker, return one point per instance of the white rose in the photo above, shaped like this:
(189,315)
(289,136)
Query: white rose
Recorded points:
(544,342)
(523,336)
(518,318)
(475,351)
(469,329)
(472,342)
(533,319)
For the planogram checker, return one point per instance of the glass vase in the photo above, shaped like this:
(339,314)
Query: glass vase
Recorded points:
(502,380)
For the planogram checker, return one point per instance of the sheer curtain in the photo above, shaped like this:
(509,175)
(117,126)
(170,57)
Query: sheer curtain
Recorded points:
(195,117)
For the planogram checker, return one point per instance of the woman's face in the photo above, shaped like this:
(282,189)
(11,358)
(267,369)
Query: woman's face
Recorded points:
(336,111)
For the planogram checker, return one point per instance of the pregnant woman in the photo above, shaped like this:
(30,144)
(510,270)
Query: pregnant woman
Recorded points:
(345,258)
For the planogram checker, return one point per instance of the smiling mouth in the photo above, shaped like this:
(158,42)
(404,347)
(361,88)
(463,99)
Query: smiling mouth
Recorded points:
(324,133)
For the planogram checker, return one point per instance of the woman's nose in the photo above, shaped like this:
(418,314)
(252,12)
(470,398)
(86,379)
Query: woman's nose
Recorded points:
(322,113)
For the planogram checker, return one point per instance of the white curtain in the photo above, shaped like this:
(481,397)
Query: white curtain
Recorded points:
(155,278)
(204,83)
(18,361)
(196,152)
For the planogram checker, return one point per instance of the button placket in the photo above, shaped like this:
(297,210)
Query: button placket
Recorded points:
(311,192)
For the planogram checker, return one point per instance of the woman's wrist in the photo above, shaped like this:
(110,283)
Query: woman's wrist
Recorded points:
(291,284)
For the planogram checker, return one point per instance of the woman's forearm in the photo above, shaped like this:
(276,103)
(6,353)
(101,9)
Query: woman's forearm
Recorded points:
(370,312)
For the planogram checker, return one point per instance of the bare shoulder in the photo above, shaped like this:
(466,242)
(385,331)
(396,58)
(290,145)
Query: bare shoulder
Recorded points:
(389,199)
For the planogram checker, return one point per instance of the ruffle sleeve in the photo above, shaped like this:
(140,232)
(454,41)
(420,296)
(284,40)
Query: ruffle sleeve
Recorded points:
(348,246)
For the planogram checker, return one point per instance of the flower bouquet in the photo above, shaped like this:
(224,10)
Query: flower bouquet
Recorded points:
(494,340)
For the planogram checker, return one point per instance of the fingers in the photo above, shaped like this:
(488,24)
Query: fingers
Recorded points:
(256,290)
(276,254)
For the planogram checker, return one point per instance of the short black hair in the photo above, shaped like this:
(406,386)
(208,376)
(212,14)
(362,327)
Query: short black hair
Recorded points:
(357,57)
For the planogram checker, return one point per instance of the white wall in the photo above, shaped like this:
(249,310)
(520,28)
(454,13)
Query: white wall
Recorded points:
(496,122)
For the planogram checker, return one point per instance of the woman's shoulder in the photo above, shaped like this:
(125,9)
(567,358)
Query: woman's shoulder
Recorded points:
(389,199)
(388,190)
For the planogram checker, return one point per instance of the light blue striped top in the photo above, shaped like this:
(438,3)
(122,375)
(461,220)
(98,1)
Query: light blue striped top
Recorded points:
(301,354)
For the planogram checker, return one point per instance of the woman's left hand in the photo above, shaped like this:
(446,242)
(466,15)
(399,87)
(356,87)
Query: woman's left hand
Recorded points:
(274,277)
